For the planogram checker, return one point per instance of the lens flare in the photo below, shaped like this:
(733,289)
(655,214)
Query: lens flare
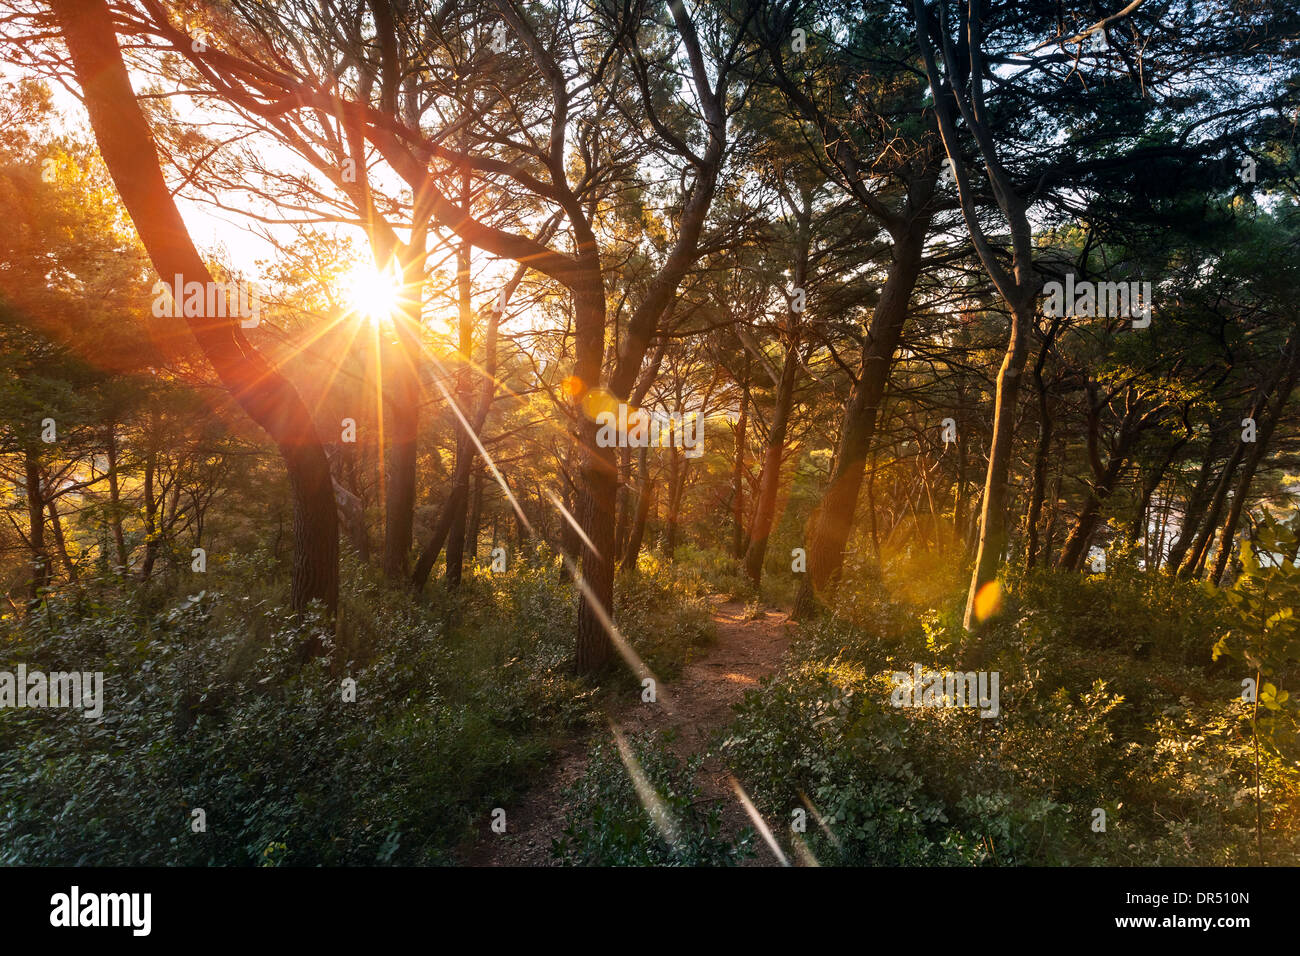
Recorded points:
(373,293)
(988,600)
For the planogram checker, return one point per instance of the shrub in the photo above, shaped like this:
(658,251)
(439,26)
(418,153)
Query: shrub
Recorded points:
(614,822)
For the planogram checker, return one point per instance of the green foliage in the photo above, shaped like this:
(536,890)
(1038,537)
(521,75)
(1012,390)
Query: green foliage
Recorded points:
(720,570)
(1109,700)
(610,823)
(1265,632)
(665,641)
(209,704)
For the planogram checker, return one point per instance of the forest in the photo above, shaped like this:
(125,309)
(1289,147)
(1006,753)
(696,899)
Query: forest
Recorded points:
(649,433)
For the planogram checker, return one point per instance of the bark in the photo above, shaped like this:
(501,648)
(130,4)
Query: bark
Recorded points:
(60,542)
(645,491)
(465,448)
(1041,453)
(770,479)
(993,516)
(738,542)
(832,521)
(36,526)
(1193,510)
(125,143)
(115,497)
(1195,558)
(1263,437)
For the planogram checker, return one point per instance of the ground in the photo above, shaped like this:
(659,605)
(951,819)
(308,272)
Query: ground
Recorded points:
(697,705)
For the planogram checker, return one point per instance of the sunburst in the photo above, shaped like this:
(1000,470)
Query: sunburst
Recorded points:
(374,294)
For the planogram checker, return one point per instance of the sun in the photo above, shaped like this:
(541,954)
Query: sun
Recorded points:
(373,293)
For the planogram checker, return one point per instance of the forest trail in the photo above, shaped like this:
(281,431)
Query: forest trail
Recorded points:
(699,702)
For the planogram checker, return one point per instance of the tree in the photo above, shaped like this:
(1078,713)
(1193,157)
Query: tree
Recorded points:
(262,391)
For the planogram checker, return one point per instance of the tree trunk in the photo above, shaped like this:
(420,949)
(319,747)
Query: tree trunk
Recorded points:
(402,383)
(770,479)
(475,516)
(993,515)
(645,490)
(1262,438)
(464,443)
(1076,542)
(36,526)
(115,498)
(676,483)
(1041,454)
(832,521)
(1193,510)
(60,543)
(1195,557)
(126,145)
(738,470)
(151,528)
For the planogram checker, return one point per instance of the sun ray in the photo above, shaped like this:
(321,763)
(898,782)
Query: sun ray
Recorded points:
(572,521)
(759,822)
(374,294)
(658,811)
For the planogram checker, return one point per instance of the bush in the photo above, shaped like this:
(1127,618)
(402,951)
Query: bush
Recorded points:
(1109,702)
(614,822)
(212,704)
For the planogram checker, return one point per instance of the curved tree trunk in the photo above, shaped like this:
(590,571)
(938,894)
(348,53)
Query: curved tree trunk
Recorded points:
(1193,509)
(832,521)
(993,515)
(770,480)
(125,142)
(1195,557)
(1252,463)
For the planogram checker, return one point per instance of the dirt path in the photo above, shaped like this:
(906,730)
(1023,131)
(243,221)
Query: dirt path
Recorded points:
(699,702)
